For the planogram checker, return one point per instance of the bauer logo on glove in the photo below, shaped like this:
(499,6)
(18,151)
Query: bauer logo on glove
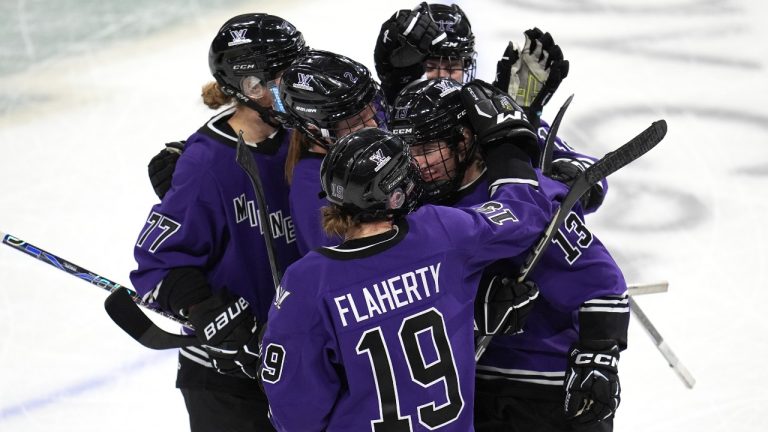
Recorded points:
(224,318)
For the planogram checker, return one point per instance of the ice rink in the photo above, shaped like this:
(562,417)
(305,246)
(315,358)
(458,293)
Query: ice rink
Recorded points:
(91,89)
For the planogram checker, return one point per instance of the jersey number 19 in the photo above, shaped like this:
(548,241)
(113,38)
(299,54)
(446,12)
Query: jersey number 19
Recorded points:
(372,344)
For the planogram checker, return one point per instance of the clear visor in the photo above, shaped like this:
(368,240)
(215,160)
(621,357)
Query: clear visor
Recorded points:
(274,89)
(375,114)
(266,93)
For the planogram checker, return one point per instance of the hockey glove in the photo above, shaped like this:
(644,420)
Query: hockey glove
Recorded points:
(497,119)
(532,75)
(566,171)
(406,38)
(502,305)
(402,46)
(161,167)
(229,334)
(592,390)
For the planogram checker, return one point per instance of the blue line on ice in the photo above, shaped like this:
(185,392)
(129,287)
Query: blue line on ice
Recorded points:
(89,384)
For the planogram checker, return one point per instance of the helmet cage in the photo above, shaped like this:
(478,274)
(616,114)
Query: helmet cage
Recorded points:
(446,66)
(431,119)
(458,48)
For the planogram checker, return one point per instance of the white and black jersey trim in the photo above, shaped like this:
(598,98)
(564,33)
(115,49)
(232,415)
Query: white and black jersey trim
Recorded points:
(610,304)
(521,375)
(151,296)
(492,188)
(197,355)
(390,236)
(212,124)
(367,246)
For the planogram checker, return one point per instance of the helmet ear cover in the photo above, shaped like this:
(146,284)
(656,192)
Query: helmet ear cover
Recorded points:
(253,87)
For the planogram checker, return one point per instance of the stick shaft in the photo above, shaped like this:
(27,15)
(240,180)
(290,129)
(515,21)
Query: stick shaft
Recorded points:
(76,270)
(641,144)
(681,371)
(651,288)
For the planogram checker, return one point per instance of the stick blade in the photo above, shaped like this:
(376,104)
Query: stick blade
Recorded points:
(127,315)
(549,142)
(632,150)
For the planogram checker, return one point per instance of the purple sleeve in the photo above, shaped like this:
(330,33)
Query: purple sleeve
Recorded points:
(505,226)
(563,151)
(298,373)
(184,230)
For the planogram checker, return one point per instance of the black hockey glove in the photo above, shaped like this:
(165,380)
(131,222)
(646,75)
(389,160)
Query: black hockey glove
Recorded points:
(402,46)
(229,334)
(502,305)
(592,390)
(497,119)
(533,74)
(566,171)
(161,167)
(406,38)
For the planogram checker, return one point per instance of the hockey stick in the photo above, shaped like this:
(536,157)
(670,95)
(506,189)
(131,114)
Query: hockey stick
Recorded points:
(131,319)
(245,159)
(665,350)
(610,163)
(549,142)
(148,335)
(77,271)
(652,288)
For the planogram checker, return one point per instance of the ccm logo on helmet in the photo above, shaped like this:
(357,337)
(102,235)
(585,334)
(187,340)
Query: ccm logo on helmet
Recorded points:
(601,359)
(243,67)
(225,317)
(402,131)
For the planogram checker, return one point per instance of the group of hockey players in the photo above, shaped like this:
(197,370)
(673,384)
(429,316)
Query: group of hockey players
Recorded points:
(400,214)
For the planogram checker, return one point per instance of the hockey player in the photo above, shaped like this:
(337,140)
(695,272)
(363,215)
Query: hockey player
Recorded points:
(435,40)
(376,333)
(329,96)
(561,372)
(200,254)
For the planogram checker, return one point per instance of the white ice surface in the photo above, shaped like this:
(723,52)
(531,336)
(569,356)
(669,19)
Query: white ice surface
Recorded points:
(77,129)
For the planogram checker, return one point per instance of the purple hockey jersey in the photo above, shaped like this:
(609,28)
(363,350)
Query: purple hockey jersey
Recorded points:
(208,218)
(575,274)
(306,202)
(378,332)
(564,152)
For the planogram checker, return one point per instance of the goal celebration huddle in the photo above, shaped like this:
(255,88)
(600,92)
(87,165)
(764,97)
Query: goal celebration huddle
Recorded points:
(404,249)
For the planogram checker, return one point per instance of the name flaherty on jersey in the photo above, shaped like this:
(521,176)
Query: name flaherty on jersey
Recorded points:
(388,295)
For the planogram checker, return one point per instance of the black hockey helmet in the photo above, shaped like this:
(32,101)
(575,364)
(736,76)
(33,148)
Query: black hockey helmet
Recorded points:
(332,95)
(459,44)
(253,46)
(370,174)
(429,116)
